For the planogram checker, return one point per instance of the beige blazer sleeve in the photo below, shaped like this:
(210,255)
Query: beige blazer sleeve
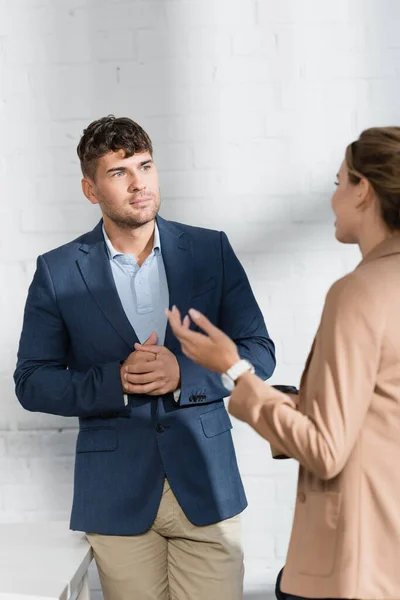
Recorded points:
(342,377)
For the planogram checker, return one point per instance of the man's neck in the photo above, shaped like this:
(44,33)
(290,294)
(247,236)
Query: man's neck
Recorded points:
(137,241)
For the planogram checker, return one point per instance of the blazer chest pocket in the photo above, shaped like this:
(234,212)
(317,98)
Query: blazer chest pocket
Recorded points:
(203,288)
(101,439)
(318,540)
(215,422)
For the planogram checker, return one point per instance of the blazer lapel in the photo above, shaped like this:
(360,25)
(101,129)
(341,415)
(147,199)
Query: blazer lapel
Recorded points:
(96,271)
(177,253)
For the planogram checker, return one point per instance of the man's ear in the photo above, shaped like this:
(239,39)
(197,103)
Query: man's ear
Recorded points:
(88,190)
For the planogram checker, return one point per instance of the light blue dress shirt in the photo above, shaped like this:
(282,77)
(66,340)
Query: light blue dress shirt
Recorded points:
(143,291)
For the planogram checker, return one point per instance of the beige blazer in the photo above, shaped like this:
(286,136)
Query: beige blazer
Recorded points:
(345,433)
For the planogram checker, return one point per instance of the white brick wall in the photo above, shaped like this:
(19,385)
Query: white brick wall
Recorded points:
(250,104)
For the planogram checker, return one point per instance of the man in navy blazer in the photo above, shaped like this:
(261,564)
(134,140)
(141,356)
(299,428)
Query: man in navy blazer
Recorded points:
(157,486)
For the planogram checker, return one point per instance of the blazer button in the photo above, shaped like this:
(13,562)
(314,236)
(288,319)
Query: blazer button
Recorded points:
(160,428)
(301,497)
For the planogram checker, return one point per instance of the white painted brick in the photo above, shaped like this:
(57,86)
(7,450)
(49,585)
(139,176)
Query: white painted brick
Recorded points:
(352,64)
(174,157)
(38,444)
(334,96)
(306,37)
(254,41)
(33,421)
(14,471)
(73,45)
(53,513)
(49,471)
(307,11)
(281,546)
(251,97)
(66,190)
(49,219)
(153,43)
(182,14)
(208,42)
(58,82)
(54,498)
(105,16)
(155,100)
(13,80)
(286,490)
(257,541)
(379,16)
(115,45)
(261,575)
(3,437)
(251,70)
(167,72)
(186,184)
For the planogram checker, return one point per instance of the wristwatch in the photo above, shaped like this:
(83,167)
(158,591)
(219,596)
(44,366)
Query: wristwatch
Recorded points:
(229,378)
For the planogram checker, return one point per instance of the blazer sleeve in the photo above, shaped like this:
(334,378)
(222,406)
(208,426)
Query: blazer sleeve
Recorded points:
(240,318)
(43,382)
(347,355)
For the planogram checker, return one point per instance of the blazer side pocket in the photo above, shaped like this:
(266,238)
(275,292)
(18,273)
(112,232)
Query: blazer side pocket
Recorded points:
(318,541)
(215,422)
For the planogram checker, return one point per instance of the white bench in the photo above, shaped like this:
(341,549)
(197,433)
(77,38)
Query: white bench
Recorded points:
(43,561)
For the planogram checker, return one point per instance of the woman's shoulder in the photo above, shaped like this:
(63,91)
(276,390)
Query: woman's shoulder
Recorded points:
(356,291)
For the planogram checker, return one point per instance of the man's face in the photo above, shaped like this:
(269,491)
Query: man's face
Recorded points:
(126,189)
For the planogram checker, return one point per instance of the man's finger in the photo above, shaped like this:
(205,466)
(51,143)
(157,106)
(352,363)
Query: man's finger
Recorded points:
(146,388)
(151,340)
(153,349)
(142,378)
(139,368)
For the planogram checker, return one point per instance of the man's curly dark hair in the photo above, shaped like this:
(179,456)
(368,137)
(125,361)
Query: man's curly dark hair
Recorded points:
(110,134)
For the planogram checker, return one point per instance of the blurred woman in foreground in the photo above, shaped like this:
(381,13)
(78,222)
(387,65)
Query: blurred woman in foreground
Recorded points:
(344,427)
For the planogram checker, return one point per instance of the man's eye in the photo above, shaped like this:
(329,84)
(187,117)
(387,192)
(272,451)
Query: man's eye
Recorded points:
(118,173)
(336,183)
(146,167)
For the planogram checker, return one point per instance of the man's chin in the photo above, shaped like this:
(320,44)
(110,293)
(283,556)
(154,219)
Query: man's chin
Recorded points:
(139,219)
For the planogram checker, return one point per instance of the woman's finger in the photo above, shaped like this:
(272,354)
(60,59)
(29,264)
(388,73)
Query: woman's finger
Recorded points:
(180,330)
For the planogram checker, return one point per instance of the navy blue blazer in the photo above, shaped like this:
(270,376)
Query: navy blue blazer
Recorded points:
(75,335)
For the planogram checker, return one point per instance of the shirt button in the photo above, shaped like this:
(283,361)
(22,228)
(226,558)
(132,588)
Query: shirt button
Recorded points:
(301,497)
(160,428)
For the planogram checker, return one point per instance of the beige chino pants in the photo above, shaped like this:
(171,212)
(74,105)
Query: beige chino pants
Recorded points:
(174,560)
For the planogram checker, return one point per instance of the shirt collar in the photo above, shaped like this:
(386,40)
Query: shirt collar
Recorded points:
(112,252)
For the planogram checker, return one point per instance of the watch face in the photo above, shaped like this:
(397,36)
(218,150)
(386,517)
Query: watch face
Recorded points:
(227,382)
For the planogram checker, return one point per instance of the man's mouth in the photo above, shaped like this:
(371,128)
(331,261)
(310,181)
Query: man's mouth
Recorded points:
(140,201)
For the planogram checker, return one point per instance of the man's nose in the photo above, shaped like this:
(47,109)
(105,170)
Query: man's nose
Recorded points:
(136,183)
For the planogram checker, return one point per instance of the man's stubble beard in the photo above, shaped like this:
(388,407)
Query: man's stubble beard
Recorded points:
(130,221)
